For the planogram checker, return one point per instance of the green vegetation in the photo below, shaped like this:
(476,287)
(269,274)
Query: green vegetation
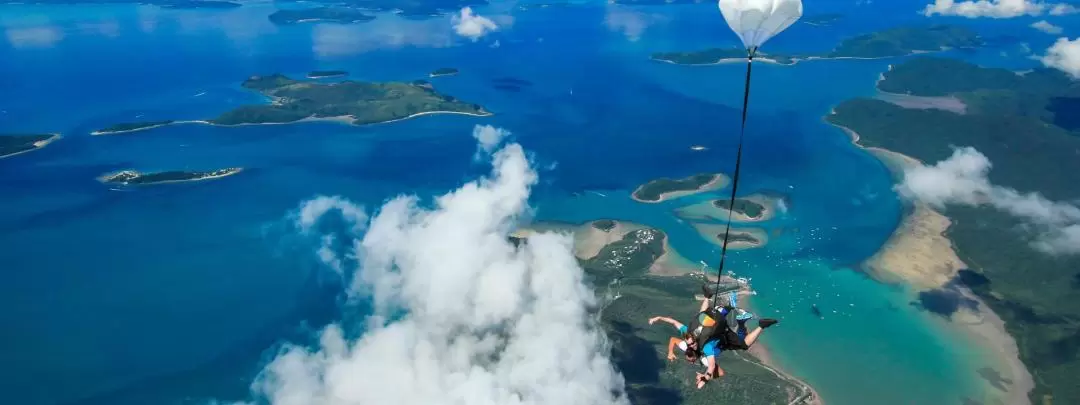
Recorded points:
(822,20)
(131,177)
(362,102)
(905,41)
(443,72)
(604,224)
(742,206)
(322,14)
(638,349)
(716,55)
(1035,293)
(888,43)
(11,144)
(322,74)
(130,127)
(655,189)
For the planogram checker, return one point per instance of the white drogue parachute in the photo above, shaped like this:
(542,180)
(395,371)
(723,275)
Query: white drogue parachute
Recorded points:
(755,21)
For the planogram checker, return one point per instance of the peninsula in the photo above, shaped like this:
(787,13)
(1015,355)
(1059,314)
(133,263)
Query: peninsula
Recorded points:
(134,178)
(14,144)
(443,72)
(893,42)
(326,74)
(635,267)
(339,15)
(663,189)
(1011,119)
(353,102)
(751,208)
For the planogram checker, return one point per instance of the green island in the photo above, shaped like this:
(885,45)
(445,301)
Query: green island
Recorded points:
(744,206)
(822,20)
(888,43)
(621,269)
(1012,120)
(324,74)
(738,238)
(662,189)
(132,177)
(340,15)
(603,224)
(131,127)
(14,144)
(443,72)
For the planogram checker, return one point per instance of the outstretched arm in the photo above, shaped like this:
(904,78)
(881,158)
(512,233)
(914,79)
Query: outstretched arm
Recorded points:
(712,371)
(665,319)
(671,347)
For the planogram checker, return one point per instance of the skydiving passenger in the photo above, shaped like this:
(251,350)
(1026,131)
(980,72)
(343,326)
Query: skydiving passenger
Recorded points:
(710,327)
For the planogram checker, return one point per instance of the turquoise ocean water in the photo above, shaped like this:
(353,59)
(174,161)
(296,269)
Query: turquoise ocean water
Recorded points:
(171,294)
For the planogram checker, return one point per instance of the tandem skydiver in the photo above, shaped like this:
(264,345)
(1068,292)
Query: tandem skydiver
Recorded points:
(710,326)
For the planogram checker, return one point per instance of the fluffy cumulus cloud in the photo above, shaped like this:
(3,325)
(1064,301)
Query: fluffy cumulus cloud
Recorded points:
(962,179)
(1047,27)
(33,37)
(488,138)
(1064,55)
(472,26)
(460,316)
(996,8)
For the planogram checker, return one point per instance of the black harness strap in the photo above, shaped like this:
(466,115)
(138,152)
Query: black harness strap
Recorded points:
(738,163)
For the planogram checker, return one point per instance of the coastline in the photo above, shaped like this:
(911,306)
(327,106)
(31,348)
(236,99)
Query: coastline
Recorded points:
(760,351)
(794,61)
(718,182)
(342,119)
(919,255)
(37,145)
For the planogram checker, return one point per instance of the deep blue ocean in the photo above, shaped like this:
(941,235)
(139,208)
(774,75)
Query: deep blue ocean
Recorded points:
(174,293)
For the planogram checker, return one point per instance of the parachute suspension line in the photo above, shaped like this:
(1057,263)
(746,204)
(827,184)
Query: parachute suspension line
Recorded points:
(735,176)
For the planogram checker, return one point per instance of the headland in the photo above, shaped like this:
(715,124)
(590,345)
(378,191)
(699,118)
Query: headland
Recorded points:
(16,144)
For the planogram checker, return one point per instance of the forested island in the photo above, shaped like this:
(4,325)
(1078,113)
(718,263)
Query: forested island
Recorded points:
(738,238)
(1014,120)
(325,74)
(742,206)
(629,257)
(893,42)
(443,72)
(340,15)
(14,144)
(663,189)
(352,102)
(132,177)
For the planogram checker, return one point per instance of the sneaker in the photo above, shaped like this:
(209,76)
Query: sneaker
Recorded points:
(767,322)
(742,315)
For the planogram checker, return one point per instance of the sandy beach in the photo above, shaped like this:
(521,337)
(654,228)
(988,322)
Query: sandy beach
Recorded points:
(37,145)
(720,181)
(920,255)
(707,210)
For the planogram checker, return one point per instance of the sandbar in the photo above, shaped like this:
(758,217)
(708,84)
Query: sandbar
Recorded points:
(719,181)
(709,211)
(738,239)
(920,255)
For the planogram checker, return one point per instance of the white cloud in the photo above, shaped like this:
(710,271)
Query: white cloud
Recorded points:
(33,37)
(962,179)
(489,138)
(1064,55)
(628,22)
(388,31)
(1046,27)
(996,8)
(472,319)
(472,26)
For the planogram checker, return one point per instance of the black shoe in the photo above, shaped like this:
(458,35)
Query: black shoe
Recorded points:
(767,322)
(705,291)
